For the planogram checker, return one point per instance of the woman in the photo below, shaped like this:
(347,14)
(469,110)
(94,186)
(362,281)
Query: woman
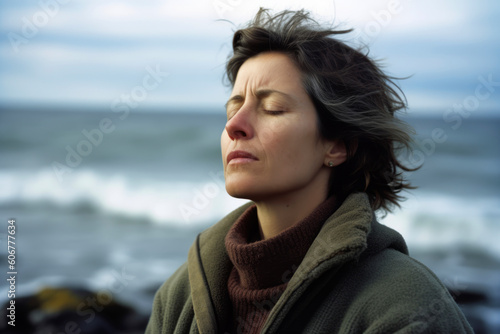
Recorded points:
(311,140)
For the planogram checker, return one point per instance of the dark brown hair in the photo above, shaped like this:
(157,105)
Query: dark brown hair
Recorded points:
(355,101)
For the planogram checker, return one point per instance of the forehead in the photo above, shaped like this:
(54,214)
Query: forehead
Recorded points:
(272,70)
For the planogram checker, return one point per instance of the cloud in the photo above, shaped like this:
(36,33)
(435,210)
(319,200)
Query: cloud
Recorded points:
(91,51)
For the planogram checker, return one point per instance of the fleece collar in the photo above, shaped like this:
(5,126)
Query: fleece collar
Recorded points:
(343,239)
(208,268)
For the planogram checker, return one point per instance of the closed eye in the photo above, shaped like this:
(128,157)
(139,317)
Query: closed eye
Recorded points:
(273,112)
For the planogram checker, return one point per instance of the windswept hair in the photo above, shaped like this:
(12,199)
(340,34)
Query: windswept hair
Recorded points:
(355,101)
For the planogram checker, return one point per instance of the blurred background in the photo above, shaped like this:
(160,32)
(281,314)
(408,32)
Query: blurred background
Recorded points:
(110,120)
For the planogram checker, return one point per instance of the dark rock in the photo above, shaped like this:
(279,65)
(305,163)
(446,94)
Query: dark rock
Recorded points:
(73,310)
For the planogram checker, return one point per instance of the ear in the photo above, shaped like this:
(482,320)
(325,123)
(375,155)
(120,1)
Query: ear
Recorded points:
(336,153)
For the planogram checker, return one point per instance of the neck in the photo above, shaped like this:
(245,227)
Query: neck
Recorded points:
(277,214)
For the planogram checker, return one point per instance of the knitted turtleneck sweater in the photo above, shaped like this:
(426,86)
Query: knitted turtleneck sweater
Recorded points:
(262,268)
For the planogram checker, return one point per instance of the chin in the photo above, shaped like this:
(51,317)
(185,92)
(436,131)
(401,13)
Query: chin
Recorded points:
(244,190)
(238,192)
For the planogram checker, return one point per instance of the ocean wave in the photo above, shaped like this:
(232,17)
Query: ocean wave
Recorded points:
(442,221)
(179,203)
(426,219)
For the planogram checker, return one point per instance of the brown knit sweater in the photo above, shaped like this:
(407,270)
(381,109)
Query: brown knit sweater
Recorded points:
(262,268)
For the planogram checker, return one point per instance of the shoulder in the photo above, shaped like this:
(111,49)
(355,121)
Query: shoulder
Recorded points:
(171,301)
(395,291)
(176,286)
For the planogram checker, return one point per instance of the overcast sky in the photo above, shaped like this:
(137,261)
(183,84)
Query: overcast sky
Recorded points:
(89,53)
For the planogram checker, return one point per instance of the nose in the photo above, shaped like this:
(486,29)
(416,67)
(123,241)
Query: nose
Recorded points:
(240,125)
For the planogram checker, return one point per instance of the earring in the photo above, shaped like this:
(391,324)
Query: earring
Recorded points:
(330,163)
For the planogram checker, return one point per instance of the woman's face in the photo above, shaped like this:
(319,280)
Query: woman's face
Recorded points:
(271,144)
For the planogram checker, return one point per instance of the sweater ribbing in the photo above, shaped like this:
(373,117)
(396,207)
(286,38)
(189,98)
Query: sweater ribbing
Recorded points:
(262,268)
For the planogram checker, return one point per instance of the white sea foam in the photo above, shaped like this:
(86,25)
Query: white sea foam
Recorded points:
(425,220)
(164,202)
(434,220)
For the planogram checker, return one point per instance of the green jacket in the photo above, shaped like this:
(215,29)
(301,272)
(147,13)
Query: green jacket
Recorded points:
(355,278)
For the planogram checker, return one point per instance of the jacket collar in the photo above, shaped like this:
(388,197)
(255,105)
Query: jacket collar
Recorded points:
(342,239)
(209,267)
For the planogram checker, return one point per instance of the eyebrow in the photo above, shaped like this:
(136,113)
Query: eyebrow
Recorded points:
(261,93)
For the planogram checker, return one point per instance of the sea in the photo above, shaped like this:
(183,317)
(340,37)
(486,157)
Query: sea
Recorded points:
(112,202)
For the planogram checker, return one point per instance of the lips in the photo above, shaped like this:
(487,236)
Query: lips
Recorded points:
(240,157)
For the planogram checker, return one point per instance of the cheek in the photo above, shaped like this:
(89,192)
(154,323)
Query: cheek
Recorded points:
(296,145)
(224,142)
(224,139)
